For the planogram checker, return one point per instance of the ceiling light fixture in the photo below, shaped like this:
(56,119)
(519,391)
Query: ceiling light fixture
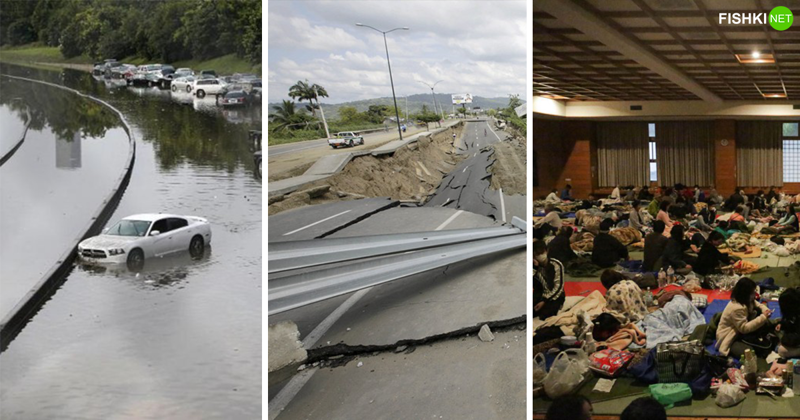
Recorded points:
(774,95)
(755,58)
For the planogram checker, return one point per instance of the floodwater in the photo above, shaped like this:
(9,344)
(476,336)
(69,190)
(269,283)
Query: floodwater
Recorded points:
(182,339)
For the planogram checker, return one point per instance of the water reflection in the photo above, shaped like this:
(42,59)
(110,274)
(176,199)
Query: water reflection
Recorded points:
(157,273)
(68,152)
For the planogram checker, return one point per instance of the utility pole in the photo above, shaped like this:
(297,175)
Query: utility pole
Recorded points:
(325,123)
(406,110)
(435,110)
(391,80)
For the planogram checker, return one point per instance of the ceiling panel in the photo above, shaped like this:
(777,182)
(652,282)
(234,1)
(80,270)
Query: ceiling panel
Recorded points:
(683,34)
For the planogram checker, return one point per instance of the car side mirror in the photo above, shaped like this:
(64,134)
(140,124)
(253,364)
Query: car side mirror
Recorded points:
(155,233)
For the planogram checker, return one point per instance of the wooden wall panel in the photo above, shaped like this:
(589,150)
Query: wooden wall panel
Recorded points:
(563,151)
(725,156)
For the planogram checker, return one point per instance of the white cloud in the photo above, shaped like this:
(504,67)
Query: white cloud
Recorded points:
(475,47)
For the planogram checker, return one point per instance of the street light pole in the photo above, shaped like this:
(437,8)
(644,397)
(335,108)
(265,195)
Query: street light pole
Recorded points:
(391,80)
(435,111)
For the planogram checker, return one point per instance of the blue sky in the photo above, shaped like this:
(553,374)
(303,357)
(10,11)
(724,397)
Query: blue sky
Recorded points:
(475,47)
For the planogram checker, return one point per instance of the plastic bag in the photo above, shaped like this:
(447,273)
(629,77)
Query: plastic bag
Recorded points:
(692,285)
(729,395)
(566,374)
(539,369)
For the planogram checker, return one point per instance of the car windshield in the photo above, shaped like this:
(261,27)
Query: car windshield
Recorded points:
(129,228)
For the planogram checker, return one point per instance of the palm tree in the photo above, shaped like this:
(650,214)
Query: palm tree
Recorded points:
(285,116)
(303,91)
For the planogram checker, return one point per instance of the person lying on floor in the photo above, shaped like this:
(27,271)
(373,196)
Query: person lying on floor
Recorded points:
(607,250)
(623,298)
(789,326)
(709,260)
(548,282)
(674,252)
(724,229)
(743,316)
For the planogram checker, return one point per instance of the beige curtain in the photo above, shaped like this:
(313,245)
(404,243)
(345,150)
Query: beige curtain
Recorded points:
(685,153)
(622,154)
(759,153)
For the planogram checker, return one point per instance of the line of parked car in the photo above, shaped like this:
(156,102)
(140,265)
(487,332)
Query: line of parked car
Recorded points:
(239,89)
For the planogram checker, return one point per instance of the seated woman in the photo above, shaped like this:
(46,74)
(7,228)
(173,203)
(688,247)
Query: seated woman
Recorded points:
(710,259)
(549,223)
(743,315)
(674,252)
(787,224)
(789,327)
(548,283)
(623,298)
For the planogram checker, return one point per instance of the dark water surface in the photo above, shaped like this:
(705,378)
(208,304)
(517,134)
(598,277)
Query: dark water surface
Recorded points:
(182,339)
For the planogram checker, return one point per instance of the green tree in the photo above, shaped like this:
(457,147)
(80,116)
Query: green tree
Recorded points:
(427,116)
(287,117)
(304,91)
(20,32)
(349,114)
(513,102)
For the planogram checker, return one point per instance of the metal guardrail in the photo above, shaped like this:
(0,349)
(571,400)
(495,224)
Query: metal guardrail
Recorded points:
(284,256)
(408,257)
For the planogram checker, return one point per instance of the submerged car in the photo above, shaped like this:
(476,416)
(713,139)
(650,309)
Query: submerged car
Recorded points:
(203,87)
(234,98)
(183,84)
(136,238)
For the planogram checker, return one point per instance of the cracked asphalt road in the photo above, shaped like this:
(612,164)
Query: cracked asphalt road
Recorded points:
(458,377)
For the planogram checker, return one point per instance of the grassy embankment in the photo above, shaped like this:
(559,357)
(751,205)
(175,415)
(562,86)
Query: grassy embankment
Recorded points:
(37,55)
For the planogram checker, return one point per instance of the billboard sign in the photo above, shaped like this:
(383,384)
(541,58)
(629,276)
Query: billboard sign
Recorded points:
(459,99)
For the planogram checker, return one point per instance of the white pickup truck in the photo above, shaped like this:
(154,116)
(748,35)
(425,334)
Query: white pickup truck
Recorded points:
(346,138)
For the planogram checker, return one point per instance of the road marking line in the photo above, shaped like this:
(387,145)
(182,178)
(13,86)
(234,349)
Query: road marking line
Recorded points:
(502,206)
(465,169)
(447,222)
(495,134)
(316,223)
(287,394)
(328,322)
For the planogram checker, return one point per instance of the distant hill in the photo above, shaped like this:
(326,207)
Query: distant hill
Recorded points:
(415,103)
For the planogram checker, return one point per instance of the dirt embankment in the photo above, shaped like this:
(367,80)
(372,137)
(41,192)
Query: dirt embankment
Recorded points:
(510,170)
(411,173)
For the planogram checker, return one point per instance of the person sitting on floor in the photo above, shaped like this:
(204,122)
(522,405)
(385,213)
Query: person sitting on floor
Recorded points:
(789,326)
(570,407)
(644,194)
(644,408)
(552,197)
(549,223)
(654,245)
(635,218)
(735,200)
(566,193)
(559,248)
(615,194)
(743,315)
(674,252)
(710,259)
(724,229)
(548,283)
(623,298)
(607,250)
(787,224)
(663,216)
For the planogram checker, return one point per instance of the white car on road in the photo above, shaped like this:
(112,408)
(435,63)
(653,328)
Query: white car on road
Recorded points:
(136,238)
(346,138)
(203,87)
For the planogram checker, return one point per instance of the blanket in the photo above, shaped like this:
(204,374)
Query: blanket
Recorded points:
(567,320)
(676,319)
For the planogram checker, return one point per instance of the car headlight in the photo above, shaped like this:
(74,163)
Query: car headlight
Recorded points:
(116,251)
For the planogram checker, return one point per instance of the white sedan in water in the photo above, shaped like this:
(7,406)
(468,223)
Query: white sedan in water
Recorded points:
(136,238)
(183,84)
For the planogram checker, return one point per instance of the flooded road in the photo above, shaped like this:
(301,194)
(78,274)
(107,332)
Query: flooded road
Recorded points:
(182,339)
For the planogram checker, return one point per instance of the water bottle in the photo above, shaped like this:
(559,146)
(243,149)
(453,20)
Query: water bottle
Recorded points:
(670,275)
(648,297)
(589,346)
(662,279)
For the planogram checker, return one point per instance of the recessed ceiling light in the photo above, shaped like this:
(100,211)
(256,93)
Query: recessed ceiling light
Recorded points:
(774,95)
(755,58)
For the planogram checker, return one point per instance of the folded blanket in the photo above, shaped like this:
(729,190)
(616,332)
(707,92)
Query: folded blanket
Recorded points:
(676,319)
(625,336)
